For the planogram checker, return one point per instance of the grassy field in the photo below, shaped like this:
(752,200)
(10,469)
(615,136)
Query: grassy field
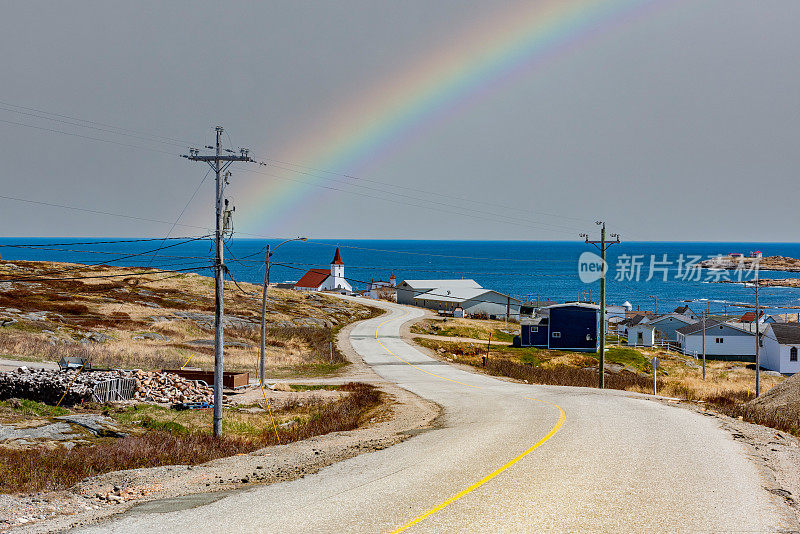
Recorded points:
(726,383)
(128,319)
(468,328)
(160,436)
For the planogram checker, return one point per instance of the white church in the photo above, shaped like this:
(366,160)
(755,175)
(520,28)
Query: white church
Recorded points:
(325,279)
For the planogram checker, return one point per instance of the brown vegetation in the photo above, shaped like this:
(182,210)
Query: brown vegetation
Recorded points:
(563,375)
(44,469)
(126,307)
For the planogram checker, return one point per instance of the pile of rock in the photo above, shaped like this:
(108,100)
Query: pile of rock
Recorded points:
(169,388)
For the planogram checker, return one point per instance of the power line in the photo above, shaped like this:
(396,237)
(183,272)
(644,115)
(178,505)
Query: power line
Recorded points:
(53,130)
(34,245)
(181,142)
(96,128)
(127,256)
(99,212)
(435,202)
(469,212)
(361,178)
(414,253)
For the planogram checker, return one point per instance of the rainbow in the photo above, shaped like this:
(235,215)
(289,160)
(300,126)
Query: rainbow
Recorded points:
(376,123)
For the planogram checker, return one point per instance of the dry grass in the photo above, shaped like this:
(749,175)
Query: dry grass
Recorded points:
(42,469)
(126,306)
(468,328)
(727,388)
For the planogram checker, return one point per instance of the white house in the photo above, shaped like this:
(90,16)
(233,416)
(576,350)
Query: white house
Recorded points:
(325,279)
(781,345)
(725,341)
(641,334)
(472,301)
(408,289)
(381,289)
(687,311)
(624,325)
(666,325)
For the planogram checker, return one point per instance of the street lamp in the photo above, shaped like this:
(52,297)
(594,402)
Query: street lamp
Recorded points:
(270,252)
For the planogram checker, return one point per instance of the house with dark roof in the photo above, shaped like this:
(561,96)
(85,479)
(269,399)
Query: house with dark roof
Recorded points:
(781,347)
(633,320)
(666,325)
(325,279)
(570,326)
(687,311)
(723,340)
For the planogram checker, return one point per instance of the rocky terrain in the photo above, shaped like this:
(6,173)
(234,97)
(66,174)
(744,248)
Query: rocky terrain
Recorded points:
(767,263)
(142,318)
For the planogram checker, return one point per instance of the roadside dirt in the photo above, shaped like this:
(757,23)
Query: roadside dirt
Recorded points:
(96,499)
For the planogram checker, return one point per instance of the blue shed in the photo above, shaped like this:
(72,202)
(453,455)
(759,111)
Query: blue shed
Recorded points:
(534,332)
(570,326)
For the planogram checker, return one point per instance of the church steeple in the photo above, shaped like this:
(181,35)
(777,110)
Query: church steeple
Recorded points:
(337,258)
(337,270)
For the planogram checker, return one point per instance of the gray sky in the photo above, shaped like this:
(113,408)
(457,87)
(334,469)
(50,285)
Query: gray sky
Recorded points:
(679,124)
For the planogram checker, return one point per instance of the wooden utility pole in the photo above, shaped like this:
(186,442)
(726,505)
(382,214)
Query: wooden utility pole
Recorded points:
(704,344)
(758,359)
(262,344)
(261,357)
(218,163)
(603,245)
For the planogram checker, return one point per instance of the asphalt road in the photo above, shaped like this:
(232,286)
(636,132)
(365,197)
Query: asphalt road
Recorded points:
(508,458)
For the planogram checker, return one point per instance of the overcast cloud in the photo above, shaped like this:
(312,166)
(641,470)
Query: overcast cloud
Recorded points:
(680,125)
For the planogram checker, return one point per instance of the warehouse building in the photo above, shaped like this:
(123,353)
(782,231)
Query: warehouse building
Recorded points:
(467,294)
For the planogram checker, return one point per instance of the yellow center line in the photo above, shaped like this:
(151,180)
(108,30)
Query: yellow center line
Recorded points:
(561,418)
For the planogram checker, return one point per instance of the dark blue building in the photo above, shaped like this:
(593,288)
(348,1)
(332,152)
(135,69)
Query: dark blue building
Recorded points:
(571,326)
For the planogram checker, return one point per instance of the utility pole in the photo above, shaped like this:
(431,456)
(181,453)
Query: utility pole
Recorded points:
(655,303)
(758,359)
(262,345)
(218,163)
(704,343)
(603,245)
(261,357)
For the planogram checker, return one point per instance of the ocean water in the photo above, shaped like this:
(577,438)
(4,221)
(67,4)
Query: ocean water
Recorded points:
(648,275)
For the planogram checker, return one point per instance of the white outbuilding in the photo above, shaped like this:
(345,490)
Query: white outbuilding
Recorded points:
(781,347)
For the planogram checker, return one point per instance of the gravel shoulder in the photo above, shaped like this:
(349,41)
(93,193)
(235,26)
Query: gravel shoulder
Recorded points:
(177,487)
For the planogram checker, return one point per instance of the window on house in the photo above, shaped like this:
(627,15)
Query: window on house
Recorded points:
(720,339)
(793,354)
(640,337)
(556,334)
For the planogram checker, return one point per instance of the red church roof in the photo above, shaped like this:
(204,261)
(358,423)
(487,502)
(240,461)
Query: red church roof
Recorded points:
(313,278)
(749,317)
(337,258)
